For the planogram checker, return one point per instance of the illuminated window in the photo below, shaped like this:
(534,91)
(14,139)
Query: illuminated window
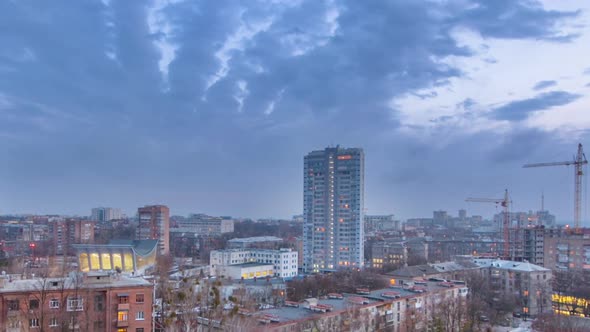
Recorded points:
(83,258)
(128,262)
(94,261)
(117,261)
(123,316)
(106,261)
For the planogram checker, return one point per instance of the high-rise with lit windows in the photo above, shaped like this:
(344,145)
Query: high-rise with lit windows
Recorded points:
(333,209)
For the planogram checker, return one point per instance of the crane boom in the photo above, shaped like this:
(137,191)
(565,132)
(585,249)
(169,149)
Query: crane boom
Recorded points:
(505,202)
(578,161)
(559,163)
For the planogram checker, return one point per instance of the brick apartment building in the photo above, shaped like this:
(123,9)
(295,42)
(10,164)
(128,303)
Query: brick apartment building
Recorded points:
(99,302)
(154,224)
(70,231)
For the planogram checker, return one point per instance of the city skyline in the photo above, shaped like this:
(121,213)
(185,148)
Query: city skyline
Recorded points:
(130,104)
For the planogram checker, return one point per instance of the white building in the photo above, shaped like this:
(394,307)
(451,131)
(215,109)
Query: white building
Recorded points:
(283,261)
(207,225)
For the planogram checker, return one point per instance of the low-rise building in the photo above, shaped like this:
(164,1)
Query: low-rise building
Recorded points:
(406,306)
(284,261)
(529,283)
(89,302)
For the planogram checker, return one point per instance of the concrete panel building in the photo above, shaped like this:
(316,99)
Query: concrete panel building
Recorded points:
(333,233)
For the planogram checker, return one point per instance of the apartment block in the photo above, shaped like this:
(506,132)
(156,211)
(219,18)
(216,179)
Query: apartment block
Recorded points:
(566,251)
(154,224)
(404,307)
(85,302)
(333,234)
(66,232)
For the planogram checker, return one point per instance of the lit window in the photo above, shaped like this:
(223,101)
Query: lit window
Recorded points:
(123,316)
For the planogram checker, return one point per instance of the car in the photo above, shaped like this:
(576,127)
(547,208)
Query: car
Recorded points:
(517,314)
(484,318)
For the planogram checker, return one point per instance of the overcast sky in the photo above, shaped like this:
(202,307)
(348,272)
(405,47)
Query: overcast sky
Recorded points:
(210,106)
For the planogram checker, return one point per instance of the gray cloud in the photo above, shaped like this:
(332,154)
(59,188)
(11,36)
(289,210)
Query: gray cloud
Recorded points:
(544,84)
(88,110)
(520,109)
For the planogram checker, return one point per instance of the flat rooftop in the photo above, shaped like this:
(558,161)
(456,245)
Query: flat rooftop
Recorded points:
(256,239)
(9,285)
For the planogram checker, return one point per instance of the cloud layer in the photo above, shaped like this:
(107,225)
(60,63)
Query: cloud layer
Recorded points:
(210,105)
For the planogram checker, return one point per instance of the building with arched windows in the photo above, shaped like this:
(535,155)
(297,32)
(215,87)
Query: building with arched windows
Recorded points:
(131,256)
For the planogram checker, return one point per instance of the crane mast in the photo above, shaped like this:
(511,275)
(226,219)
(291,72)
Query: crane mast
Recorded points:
(578,161)
(505,203)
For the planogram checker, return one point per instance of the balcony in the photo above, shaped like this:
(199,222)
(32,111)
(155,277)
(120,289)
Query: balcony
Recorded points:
(123,306)
(122,323)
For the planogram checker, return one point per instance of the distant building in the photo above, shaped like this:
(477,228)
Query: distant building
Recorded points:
(440,217)
(379,223)
(269,242)
(202,224)
(462,214)
(534,245)
(89,302)
(154,224)
(396,253)
(333,234)
(252,263)
(134,257)
(70,231)
(104,214)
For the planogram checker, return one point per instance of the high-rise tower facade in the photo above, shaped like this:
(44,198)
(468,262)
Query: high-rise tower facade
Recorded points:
(333,196)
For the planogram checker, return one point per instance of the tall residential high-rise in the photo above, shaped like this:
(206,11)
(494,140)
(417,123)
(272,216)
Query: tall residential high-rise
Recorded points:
(154,224)
(333,196)
(102,214)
